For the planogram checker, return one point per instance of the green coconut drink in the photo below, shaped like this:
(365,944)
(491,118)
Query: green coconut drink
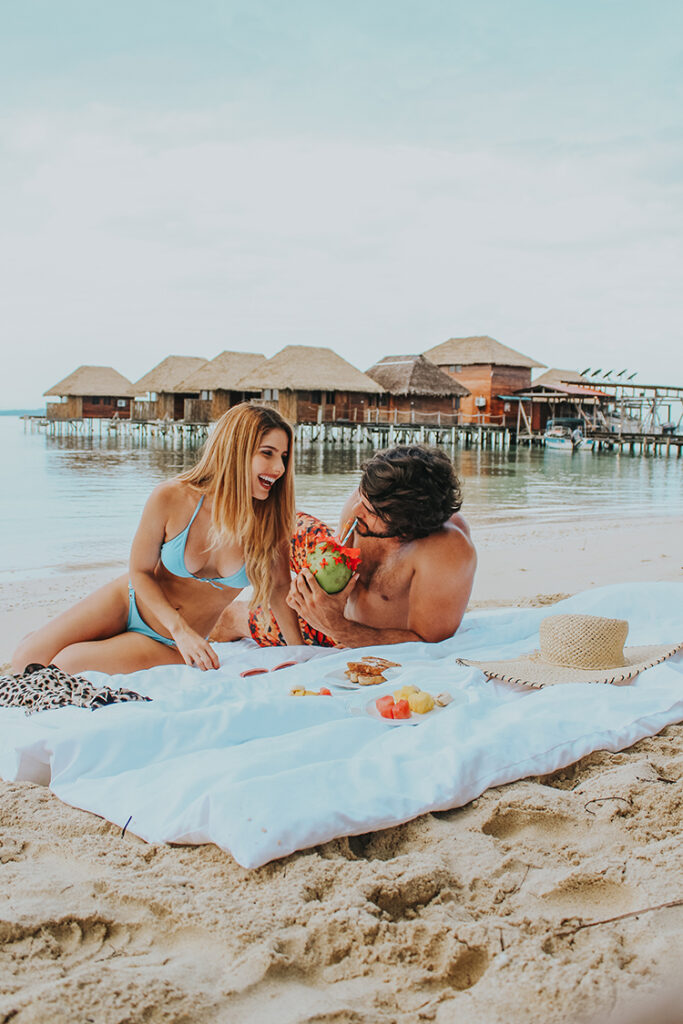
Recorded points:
(333,565)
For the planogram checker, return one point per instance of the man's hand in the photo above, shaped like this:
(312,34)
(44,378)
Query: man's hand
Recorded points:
(323,611)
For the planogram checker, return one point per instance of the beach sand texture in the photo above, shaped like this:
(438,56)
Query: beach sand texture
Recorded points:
(532,904)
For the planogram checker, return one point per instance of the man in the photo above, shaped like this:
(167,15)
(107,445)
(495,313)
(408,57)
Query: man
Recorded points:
(417,561)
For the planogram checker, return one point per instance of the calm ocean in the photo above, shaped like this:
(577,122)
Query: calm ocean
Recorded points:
(73,503)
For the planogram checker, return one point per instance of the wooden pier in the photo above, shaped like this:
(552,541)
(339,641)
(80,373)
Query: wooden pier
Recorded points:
(378,434)
(632,443)
(180,433)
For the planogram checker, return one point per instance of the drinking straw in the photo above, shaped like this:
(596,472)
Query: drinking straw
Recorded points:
(350,530)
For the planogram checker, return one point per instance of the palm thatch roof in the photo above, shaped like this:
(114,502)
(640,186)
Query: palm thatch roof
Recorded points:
(307,367)
(554,376)
(168,375)
(414,375)
(93,380)
(564,382)
(477,350)
(223,372)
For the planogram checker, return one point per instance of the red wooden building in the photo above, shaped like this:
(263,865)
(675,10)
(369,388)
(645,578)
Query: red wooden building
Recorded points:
(487,369)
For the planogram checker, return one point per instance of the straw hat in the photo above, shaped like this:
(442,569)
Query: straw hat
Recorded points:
(578,649)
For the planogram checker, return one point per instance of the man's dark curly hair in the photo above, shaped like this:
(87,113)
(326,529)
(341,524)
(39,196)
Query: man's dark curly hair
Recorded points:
(412,488)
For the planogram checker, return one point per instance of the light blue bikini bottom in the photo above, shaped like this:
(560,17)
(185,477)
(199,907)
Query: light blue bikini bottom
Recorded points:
(136,623)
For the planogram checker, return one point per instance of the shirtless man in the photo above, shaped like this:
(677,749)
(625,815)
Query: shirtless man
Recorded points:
(417,561)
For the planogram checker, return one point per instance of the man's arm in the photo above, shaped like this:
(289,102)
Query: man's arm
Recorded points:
(439,591)
(325,612)
(441,586)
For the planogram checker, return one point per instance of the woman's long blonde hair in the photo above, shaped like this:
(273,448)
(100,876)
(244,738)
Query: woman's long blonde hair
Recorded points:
(224,469)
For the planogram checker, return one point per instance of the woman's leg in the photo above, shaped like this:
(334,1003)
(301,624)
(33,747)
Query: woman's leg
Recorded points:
(128,652)
(99,616)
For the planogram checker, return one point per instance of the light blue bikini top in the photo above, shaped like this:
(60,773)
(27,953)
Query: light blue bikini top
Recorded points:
(173,558)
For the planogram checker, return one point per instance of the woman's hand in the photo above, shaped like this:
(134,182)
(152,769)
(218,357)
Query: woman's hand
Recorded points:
(196,651)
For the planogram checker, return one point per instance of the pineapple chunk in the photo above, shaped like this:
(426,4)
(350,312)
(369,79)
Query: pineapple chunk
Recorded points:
(421,702)
(405,692)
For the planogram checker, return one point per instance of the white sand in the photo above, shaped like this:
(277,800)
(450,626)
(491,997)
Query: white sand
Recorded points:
(476,914)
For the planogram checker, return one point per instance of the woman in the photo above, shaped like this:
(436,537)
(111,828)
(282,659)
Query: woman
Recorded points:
(203,537)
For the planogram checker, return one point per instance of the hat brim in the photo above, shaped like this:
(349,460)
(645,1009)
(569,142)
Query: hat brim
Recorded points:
(532,670)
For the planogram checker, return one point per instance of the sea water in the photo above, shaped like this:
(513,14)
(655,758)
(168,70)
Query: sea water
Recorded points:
(73,503)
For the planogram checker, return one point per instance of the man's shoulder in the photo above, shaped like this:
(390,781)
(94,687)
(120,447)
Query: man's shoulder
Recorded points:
(452,541)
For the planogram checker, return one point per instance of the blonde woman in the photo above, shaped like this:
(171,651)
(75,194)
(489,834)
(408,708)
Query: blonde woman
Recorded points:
(202,538)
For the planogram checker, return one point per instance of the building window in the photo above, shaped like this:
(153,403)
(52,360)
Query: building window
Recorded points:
(120,403)
(329,397)
(457,368)
(205,396)
(270,394)
(95,401)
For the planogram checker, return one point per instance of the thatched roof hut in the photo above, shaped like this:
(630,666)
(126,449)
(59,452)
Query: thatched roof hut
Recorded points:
(308,384)
(167,377)
(305,367)
(414,375)
(479,350)
(100,381)
(223,372)
(91,392)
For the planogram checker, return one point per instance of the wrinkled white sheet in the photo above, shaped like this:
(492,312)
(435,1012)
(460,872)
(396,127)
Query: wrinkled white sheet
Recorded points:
(238,762)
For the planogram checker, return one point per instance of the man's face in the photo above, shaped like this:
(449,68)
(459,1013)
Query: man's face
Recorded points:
(369,523)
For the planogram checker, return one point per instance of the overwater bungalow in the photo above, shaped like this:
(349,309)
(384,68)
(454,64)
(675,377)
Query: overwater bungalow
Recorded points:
(487,369)
(161,392)
(307,384)
(216,383)
(416,390)
(91,392)
(561,394)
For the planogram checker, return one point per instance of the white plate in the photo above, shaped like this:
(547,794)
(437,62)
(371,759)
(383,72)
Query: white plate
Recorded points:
(415,719)
(339,679)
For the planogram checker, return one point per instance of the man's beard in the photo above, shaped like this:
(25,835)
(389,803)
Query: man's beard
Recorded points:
(380,536)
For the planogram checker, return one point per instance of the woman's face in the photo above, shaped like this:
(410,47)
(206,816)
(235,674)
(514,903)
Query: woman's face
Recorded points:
(268,463)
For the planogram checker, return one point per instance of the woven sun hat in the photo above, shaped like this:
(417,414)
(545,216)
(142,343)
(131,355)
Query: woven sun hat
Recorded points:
(578,649)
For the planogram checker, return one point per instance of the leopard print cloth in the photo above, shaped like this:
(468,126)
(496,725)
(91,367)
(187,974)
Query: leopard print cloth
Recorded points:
(43,689)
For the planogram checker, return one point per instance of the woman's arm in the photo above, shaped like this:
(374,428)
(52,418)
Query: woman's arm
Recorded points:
(144,556)
(287,618)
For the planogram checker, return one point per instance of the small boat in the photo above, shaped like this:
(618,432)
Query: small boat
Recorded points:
(566,435)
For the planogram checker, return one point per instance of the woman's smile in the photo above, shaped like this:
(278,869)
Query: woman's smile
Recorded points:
(269,462)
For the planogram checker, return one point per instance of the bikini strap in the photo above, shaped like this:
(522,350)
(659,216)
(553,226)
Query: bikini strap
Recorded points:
(201,501)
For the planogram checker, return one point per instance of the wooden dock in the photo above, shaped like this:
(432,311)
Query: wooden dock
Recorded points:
(632,443)
(180,433)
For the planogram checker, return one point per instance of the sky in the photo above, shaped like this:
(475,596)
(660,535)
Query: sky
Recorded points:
(183,178)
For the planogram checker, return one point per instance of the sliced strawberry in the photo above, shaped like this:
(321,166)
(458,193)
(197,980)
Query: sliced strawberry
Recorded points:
(324,692)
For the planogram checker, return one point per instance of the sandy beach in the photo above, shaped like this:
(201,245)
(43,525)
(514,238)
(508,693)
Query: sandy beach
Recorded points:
(553,899)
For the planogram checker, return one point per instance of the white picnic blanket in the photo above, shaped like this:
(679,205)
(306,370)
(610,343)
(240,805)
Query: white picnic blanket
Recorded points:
(238,762)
